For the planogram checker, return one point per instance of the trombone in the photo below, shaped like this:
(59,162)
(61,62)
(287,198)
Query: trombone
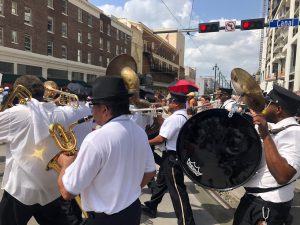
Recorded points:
(152,111)
(64,98)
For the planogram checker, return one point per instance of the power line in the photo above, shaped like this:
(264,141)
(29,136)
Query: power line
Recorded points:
(171,13)
(191,14)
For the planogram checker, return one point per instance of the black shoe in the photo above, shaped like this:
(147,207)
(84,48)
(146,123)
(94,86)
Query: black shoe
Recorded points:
(148,211)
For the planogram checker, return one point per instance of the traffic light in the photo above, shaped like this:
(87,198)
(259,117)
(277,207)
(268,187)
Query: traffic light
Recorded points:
(209,27)
(253,24)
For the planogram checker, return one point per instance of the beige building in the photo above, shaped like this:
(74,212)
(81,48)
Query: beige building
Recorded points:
(160,56)
(280,61)
(190,73)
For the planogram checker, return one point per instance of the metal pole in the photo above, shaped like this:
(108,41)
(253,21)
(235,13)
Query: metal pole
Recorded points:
(215,68)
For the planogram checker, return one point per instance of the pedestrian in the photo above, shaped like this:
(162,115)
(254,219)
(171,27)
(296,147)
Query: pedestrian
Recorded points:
(270,191)
(113,163)
(170,175)
(191,104)
(225,98)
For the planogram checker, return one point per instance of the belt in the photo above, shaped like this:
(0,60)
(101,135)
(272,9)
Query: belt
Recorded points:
(94,215)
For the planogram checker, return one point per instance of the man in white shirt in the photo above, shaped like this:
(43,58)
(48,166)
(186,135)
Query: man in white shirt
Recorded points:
(224,96)
(113,163)
(170,176)
(30,190)
(270,191)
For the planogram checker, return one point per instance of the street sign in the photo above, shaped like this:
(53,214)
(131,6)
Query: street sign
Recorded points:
(230,26)
(284,23)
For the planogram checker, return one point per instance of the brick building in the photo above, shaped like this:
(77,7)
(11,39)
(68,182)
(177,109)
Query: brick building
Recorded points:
(61,40)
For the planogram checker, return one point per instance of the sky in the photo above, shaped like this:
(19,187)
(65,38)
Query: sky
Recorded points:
(226,49)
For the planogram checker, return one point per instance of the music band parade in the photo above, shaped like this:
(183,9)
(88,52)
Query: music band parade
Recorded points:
(83,156)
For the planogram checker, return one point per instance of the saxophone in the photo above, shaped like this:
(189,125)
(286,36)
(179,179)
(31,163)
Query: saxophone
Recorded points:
(66,141)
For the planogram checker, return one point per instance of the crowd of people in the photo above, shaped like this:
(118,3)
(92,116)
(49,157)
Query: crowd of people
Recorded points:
(118,158)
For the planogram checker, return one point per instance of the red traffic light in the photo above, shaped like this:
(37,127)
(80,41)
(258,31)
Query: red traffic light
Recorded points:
(209,27)
(253,24)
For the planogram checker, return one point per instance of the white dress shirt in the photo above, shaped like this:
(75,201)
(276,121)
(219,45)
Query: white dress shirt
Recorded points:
(110,165)
(228,104)
(171,127)
(29,148)
(288,146)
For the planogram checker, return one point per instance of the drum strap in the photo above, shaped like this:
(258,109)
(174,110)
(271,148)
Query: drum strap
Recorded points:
(255,190)
(276,131)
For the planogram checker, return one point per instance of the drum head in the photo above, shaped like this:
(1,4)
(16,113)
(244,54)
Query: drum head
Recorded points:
(219,152)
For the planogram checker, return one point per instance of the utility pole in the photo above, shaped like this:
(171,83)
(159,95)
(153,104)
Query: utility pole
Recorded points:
(215,68)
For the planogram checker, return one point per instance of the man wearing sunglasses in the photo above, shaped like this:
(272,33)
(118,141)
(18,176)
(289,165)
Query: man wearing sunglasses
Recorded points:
(114,162)
(270,191)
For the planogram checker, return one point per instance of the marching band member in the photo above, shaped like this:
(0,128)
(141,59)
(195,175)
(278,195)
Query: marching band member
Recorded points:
(30,190)
(270,191)
(114,162)
(224,96)
(170,176)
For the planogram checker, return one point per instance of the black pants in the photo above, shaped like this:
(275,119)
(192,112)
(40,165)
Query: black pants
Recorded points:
(249,211)
(58,212)
(129,216)
(170,177)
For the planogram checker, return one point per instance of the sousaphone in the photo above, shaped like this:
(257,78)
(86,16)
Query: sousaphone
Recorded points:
(125,66)
(221,152)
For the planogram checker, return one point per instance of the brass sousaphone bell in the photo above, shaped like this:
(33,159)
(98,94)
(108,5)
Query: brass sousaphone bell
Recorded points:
(125,66)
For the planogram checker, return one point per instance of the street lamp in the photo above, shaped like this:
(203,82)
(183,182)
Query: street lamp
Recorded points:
(215,68)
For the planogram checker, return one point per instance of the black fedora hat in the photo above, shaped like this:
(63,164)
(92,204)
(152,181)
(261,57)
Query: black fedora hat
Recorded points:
(109,88)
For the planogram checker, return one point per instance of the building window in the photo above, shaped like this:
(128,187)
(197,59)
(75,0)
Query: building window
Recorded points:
(90,39)
(108,29)
(27,42)
(50,48)
(107,62)
(101,43)
(1,7)
(125,50)
(79,37)
(50,4)
(117,34)
(77,76)
(101,25)
(27,15)
(64,5)
(100,60)
(14,37)
(117,49)
(14,8)
(125,38)
(1,36)
(78,55)
(64,30)
(64,52)
(89,58)
(80,15)
(50,24)
(108,46)
(90,20)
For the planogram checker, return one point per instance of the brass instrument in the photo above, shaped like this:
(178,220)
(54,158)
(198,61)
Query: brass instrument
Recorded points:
(125,66)
(247,88)
(152,111)
(65,98)
(66,141)
(20,92)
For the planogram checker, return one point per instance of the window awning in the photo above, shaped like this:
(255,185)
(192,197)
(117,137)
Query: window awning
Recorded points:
(60,82)
(10,78)
(81,82)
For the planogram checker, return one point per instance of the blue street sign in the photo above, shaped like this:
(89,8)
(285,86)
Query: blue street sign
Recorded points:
(284,23)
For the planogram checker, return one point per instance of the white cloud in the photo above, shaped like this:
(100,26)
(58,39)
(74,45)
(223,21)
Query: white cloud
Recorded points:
(227,49)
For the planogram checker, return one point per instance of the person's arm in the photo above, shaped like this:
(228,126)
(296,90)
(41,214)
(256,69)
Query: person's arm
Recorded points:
(278,166)
(157,140)
(147,178)
(64,161)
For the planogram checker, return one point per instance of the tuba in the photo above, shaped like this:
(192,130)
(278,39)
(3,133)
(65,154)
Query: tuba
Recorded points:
(220,152)
(66,141)
(65,98)
(125,66)
(19,92)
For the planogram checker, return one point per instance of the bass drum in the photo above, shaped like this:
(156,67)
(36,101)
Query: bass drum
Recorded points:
(218,152)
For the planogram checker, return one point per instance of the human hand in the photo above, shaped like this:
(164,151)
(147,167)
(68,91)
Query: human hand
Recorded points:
(64,160)
(260,121)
